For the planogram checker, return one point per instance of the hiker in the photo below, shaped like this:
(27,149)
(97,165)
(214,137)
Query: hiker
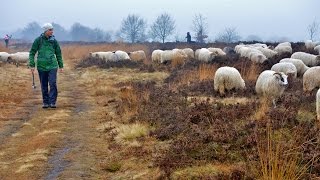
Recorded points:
(188,37)
(6,39)
(48,61)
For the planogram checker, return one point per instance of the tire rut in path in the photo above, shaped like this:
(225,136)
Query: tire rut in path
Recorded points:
(65,160)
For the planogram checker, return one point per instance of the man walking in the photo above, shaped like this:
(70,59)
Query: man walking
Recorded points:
(48,61)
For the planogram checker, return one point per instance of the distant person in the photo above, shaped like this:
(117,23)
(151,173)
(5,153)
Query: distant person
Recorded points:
(6,39)
(48,62)
(188,37)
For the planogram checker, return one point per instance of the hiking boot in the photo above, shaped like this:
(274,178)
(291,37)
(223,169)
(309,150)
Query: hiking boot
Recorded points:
(45,106)
(53,106)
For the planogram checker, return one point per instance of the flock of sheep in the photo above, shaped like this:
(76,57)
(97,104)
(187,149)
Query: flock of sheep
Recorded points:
(15,58)
(270,83)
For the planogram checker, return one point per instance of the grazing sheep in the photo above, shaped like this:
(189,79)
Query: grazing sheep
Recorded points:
(4,57)
(228,50)
(217,51)
(166,55)
(205,55)
(271,85)
(317,49)
(189,52)
(196,54)
(257,57)
(259,45)
(227,78)
(169,55)
(156,55)
(18,58)
(311,79)
(267,52)
(107,56)
(300,66)
(310,45)
(286,67)
(137,55)
(318,105)
(122,55)
(283,48)
(308,59)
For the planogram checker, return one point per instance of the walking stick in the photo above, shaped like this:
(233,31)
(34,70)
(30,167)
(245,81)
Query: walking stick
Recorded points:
(33,84)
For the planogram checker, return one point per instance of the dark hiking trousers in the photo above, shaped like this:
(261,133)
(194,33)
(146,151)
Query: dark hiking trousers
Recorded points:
(48,77)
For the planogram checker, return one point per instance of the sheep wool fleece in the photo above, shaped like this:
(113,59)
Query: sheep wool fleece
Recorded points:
(49,53)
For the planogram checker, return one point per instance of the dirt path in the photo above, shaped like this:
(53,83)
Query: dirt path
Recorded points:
(52,143)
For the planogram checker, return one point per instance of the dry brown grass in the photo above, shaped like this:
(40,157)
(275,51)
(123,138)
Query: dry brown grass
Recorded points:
(262,110)
(3,48)
(128,133)
(251,72)
(14,88)
(129,98)
(207,71)
(208,171)
(279,160)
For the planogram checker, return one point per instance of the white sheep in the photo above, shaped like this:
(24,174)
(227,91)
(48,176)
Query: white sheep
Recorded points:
(18,58)
(122,55)
(189,52)
(137,55)
(286,67)
(318,105)
(257,57)
(271,84)
(308,59)
(107,56)
(317,49)
(283,48)
(267,52)
(310,44)
(227,78)
(196,54)
(217,51)
(259,45)
(156,55)
(169,55)
(311,79)
(300,66)
(205,55)
(4,57)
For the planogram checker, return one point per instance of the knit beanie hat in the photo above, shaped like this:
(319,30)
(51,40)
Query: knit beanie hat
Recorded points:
(47,26)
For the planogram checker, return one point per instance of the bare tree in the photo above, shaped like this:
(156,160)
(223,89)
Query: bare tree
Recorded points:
(229,35)
(132,28)
(162,27)
(313,29)
(31,31)
(200,27)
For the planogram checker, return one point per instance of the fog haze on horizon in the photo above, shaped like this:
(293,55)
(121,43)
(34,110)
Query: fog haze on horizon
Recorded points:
(266,19)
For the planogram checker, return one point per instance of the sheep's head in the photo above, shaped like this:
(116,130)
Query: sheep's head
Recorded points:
(9,60)
(281,78)
(212,55)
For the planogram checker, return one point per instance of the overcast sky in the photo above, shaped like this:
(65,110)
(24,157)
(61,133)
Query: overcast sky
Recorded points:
(267,19)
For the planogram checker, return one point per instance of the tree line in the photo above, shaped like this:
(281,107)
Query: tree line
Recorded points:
(134,29)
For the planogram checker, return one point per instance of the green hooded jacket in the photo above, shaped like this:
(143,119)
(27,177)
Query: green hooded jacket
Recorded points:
(49,53)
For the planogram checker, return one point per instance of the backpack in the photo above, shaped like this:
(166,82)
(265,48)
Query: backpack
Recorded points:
(53,42)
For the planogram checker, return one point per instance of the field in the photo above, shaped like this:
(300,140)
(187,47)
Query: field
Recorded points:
(139,120)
